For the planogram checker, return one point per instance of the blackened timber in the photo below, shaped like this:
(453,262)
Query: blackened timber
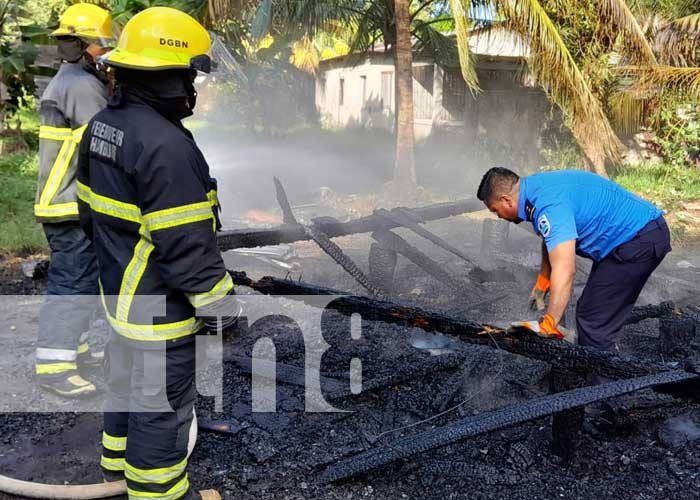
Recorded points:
(287,214)
(335,252)
(291,375)
(405,218)
(558,353)
(651,311)
(323,241)
(289,233)
(490,421)
(393,241)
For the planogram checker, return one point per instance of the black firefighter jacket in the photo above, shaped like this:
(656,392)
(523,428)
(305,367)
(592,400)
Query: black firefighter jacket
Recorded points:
(150,206)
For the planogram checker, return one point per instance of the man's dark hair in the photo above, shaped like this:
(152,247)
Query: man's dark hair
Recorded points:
(496,180)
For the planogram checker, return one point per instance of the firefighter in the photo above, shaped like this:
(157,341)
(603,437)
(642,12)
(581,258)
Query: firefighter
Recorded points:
(582,213)
(150,207)
(72,98)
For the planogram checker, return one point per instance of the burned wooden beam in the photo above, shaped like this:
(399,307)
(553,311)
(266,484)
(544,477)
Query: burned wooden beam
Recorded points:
(392,241)
(490,421)
(407,219)
(651,311)
(325,243)
(558,353)
(289,233)
(406,373)
(287,374)
(382,266)
(335,252)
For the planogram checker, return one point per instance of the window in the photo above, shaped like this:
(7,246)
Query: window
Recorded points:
(387,90)
(454,93)
(322,89)
(341,96)
(363,78)
(423,91)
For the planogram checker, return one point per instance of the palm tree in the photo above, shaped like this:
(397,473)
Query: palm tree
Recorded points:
(550,60)
(404,168)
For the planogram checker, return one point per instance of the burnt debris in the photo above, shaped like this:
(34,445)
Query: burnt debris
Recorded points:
(490,421)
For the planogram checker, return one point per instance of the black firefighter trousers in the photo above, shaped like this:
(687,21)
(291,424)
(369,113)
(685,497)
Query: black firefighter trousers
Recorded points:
(147,419)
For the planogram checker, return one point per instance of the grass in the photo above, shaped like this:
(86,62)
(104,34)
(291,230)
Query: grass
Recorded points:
(666,185)
(19,231)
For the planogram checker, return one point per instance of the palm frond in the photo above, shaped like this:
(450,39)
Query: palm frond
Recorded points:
(466,62)
(622,22)
(628,113)
(263,20)
(678,41)
(368,27)
(660,79)
(305,56)
(556,71)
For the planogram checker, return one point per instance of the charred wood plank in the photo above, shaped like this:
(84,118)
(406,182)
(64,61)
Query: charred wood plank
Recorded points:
(335,252)
(392,241)
(405,373)
(490,421)
(558,353)
(287,374)
(289,233)
(651,311)
(323,241)
(566,424)
(405,218)
(382,266)
(676,334)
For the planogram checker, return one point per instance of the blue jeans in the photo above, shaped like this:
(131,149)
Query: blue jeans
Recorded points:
(71,295)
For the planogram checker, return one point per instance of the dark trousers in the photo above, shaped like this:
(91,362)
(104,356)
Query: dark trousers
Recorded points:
(615,284)
(147,418)
(71,298)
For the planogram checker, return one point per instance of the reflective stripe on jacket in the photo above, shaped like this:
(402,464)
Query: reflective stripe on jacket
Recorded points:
(148,202)
(70,100)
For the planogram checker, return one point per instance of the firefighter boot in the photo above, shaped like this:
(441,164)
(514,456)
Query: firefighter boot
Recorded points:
(69,385)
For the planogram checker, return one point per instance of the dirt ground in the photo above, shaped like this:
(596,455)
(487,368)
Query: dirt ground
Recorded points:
(643,446)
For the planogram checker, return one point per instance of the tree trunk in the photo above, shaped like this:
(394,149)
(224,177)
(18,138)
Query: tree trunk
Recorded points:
(405,168)
(594,158)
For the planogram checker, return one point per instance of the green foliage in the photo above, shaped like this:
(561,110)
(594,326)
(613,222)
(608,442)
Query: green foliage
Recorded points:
(45,13)
(19,231)
(667,185)
(677,131)
(123,10)
(17,56)
(561,156)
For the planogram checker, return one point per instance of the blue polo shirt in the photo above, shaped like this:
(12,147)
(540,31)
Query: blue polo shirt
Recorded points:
(575,205)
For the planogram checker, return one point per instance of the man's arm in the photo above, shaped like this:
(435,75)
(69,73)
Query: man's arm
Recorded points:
(562,263)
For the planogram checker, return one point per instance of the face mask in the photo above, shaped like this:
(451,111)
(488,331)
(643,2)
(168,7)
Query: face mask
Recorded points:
(71,49)
(191,91)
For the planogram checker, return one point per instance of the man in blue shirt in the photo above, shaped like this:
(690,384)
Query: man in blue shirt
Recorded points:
(582,213)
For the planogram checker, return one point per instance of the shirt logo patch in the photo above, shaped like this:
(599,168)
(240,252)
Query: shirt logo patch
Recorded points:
(529,210)
(543,226)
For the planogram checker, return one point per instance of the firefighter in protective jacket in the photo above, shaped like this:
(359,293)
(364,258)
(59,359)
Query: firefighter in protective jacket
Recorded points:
(72,98)
(150,207)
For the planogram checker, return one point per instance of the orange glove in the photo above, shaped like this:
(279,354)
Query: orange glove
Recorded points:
(546,328)
(538,293)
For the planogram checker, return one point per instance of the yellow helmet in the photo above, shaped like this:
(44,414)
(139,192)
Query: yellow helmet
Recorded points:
(160,38)
(85,20)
